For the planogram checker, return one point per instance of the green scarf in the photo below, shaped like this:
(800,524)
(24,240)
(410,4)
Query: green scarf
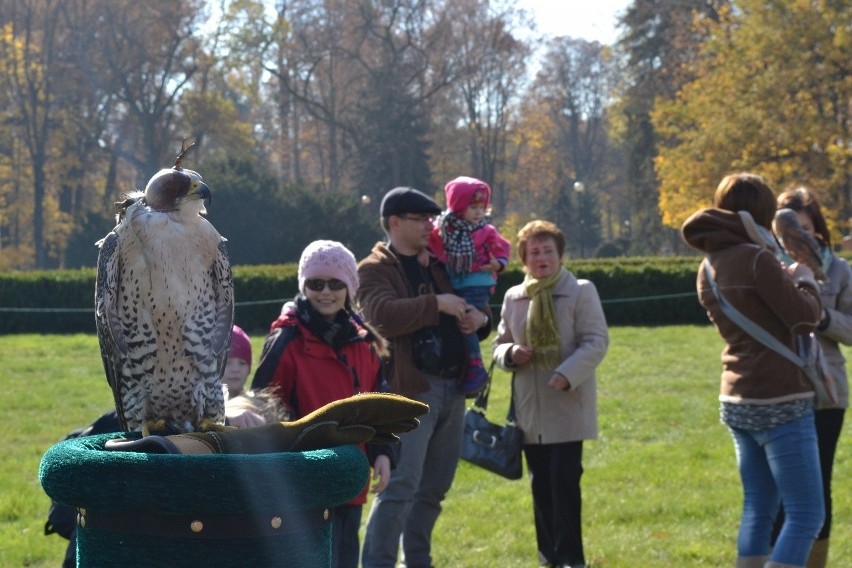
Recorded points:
(542,328)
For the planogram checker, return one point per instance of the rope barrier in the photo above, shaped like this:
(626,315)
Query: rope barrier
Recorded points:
(282,300)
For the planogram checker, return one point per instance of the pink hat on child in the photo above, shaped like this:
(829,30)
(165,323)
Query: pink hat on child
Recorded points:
(463,191)
(240,345)
(331,259)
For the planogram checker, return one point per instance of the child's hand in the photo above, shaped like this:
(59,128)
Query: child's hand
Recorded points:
(244,418)
(381,474)
(492,266)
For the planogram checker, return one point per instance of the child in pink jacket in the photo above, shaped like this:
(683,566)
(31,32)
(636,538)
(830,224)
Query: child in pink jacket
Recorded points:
(474,252)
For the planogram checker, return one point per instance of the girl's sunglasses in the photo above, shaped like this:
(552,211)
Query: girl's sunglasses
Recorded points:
(318,284)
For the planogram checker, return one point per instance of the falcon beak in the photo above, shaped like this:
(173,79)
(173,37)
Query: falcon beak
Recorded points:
(202,192)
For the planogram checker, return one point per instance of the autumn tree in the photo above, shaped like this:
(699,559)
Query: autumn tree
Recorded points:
(572,89)
(773,96)
(151,52)
(493,74)
(659,44)
(255,43)
(32,72)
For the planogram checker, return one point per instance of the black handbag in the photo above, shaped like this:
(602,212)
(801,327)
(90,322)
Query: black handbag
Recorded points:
(494,447)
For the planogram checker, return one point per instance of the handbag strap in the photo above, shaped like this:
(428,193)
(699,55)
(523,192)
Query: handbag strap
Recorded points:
(482,398)
(754,330)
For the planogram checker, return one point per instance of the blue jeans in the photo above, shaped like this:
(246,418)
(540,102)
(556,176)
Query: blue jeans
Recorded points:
(478,297)
(780,465)
(410,504)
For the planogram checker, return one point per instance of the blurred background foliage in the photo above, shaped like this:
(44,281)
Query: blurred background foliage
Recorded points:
(305,112)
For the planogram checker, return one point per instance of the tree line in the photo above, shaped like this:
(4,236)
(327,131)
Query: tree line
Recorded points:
(306,111)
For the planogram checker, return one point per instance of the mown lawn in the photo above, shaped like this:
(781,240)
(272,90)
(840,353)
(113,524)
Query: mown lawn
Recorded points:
(660,484)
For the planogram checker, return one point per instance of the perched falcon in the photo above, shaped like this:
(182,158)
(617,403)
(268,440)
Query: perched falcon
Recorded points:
(164,307)
(800,245)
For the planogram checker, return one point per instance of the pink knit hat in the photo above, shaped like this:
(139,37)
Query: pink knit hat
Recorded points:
(463,191)
(330,259)
(240,345)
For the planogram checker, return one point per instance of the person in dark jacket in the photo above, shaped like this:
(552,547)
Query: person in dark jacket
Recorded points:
(329,353)
(766,401)
(62,519)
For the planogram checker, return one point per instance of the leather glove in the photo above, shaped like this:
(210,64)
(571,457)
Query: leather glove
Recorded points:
(375,418)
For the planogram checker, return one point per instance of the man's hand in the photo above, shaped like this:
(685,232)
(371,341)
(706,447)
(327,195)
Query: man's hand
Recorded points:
(453,305)
(472,321)
(423,257)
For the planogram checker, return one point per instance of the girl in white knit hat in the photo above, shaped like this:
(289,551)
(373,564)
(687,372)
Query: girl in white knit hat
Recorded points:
(321,350)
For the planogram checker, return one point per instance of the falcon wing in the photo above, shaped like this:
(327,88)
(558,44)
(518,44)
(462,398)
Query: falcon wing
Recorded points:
(224,296)
(110,337)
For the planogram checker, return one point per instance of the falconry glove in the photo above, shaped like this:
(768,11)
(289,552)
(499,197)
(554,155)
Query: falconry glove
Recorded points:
(375,418)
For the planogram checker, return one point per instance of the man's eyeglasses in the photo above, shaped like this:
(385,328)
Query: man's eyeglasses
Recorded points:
(418,218)
(318,284)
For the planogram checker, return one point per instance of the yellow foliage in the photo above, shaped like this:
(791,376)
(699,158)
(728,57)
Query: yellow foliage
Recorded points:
(771,88)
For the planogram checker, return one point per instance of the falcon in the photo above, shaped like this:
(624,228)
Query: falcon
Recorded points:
(798,243)
(164,307)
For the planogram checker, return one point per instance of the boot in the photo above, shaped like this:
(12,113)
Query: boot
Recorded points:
(819,554)
(771,564)
(751,561)
(374,418)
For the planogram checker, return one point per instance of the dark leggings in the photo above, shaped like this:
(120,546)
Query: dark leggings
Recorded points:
(829,423)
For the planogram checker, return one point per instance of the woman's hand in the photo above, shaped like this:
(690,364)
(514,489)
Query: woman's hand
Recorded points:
(381,474)
(798,270)
(520,355)
(802,273)
(559,382)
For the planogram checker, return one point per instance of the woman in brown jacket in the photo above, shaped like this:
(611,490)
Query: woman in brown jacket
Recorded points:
(766,401)
(553,335)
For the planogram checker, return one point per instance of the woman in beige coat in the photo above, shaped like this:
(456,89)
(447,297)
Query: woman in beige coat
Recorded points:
(553,335)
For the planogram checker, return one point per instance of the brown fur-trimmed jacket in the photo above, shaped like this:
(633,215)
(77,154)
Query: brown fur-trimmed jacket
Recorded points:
(752,280)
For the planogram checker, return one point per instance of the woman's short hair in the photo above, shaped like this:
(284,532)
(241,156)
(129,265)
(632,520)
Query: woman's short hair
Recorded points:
(803,199)
(536,230)
(746,192)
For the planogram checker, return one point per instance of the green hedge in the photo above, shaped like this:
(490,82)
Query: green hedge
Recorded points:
(634,291)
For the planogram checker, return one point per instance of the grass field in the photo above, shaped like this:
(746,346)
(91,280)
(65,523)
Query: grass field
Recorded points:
(660,485)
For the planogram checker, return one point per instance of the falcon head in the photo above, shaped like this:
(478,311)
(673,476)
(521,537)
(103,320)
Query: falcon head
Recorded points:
(168,189)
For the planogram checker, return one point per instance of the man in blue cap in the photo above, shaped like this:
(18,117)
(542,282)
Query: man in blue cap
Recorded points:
(413,306)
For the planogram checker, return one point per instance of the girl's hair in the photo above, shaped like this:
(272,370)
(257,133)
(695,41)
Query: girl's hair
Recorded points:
(746,192)
(803,199)
(536,230)
(378,341)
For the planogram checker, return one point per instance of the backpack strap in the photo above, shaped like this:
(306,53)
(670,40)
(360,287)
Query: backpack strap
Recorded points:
(274,346)
(754,330)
